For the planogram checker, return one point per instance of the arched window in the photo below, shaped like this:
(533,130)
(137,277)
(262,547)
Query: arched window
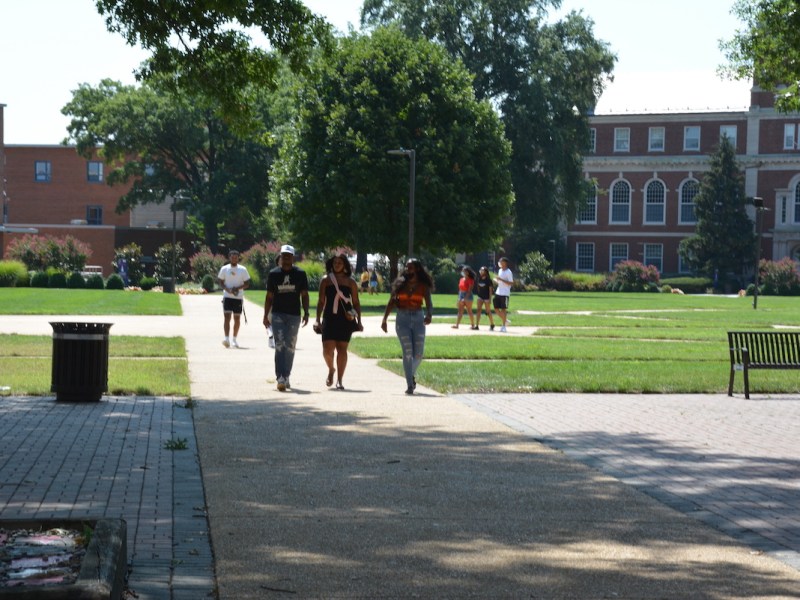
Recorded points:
(621,202)
(689,190)
(654,202)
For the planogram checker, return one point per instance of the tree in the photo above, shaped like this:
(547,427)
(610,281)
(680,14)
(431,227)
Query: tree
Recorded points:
(724,241)
(767,49)
(203,45)
(375,93)
(544,79)
(170,144)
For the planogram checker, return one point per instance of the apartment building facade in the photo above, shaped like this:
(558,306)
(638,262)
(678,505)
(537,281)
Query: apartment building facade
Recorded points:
(648,169)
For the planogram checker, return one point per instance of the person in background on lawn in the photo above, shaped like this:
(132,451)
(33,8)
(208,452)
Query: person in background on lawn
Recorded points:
(337,326)
(364,280)
(466,285)
(287,290)
(502,295)
(234,279)
(373,281)
(485,293)
(409,290)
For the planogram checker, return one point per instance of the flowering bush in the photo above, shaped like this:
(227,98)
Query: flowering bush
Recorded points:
(633,276)
(779,278)
(205,263)
(261,258)
(42,252)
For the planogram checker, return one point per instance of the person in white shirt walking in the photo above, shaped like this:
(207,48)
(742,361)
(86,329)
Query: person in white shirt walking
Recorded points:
(502,294)
(234,279)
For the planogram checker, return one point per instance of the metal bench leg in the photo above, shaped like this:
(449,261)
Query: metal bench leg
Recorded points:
(746,383)
(730,382)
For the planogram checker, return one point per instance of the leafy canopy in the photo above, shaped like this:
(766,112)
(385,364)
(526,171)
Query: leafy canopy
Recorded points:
(336,183)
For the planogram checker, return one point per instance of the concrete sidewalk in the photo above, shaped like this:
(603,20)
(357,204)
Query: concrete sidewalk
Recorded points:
(369,493)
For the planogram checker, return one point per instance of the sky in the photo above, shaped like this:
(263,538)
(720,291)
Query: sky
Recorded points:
(667,57)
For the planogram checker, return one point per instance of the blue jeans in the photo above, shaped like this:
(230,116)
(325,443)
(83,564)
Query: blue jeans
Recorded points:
(284,330)
(410,329)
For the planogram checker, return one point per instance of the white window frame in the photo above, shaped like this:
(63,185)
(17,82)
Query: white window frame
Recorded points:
(684,205)
(94,171)
(653,206)
(592,140)
(653,254)
(731,131)
(622,139)
(42,171)
(656,139)
(584,255)
(615,255)
(789,136)
(691,143)
(588,215)
(615,203)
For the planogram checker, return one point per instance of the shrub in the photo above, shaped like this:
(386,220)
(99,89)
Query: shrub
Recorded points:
(43,252)
(208,283)
(12,272)
(447,283)
(57,279)
(633,276)
(75,281)
(132,255)
(115,282)
(256,283)
(535,269)
(163,268)
(568,281)
(779,278)
(315,271)
(689,285)
(206,263)
(260,259)
(95,282)
(147,283)
(39,279)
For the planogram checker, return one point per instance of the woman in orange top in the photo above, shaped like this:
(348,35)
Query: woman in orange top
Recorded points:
(465,287)
(409,290)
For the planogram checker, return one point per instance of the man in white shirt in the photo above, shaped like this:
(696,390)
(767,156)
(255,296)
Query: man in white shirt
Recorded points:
(234,279)
(502,294)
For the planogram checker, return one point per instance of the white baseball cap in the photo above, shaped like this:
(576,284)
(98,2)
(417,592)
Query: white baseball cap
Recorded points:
(287,249)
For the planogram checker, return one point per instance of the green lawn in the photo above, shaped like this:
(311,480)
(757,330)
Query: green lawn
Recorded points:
(45,301)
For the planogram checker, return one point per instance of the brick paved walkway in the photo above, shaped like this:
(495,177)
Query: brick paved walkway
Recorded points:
(729,462)
(107,460)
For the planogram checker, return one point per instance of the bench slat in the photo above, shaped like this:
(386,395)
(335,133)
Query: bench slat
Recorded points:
(762,350)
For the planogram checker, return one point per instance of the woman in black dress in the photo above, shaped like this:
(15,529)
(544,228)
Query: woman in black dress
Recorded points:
(340,310)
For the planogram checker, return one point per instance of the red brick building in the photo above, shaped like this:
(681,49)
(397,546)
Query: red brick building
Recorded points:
(52,190)
(648,168)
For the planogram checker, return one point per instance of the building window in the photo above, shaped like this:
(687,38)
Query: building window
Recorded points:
(797,203)
(592,140)
(655,139)
(689,190)
(94,171)
(654,202)
(691,137)
(42,170)
(589,212)
(618,253)
(789,137)
(622,139)
(683,267)
(653,255)
(585,257)
(784,209)
(728,131)
(94,215)
(621,202)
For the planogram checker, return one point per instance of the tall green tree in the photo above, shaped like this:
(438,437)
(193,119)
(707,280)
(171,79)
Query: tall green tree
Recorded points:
(207,49)
(381,92)
(767,49)
(724,240)
(170,144)
(544,79)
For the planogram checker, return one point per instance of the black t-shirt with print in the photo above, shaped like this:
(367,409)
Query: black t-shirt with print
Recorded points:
(286,287)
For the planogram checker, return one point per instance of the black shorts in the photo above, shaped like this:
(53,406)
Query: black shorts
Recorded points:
(501,302)
(233,305)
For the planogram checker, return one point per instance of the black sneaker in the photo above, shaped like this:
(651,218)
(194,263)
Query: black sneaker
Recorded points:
(491,327)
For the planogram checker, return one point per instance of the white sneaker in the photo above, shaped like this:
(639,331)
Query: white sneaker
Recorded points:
(271,342)
(226,342)
(503,329)
(286,383)
(234,343)
(281,384)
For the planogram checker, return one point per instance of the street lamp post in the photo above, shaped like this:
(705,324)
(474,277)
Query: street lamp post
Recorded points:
(759,204)
(411,154)
(554,253)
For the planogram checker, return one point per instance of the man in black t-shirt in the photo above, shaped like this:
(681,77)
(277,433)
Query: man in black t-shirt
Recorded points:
(287,293)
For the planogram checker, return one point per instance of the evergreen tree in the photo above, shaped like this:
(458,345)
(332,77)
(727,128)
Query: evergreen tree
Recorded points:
(724,242)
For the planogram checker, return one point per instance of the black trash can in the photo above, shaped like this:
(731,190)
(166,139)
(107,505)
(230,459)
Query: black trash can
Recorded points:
(168,285)
(80,361)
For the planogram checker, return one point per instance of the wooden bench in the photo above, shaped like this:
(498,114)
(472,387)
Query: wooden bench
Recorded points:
(762,350)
